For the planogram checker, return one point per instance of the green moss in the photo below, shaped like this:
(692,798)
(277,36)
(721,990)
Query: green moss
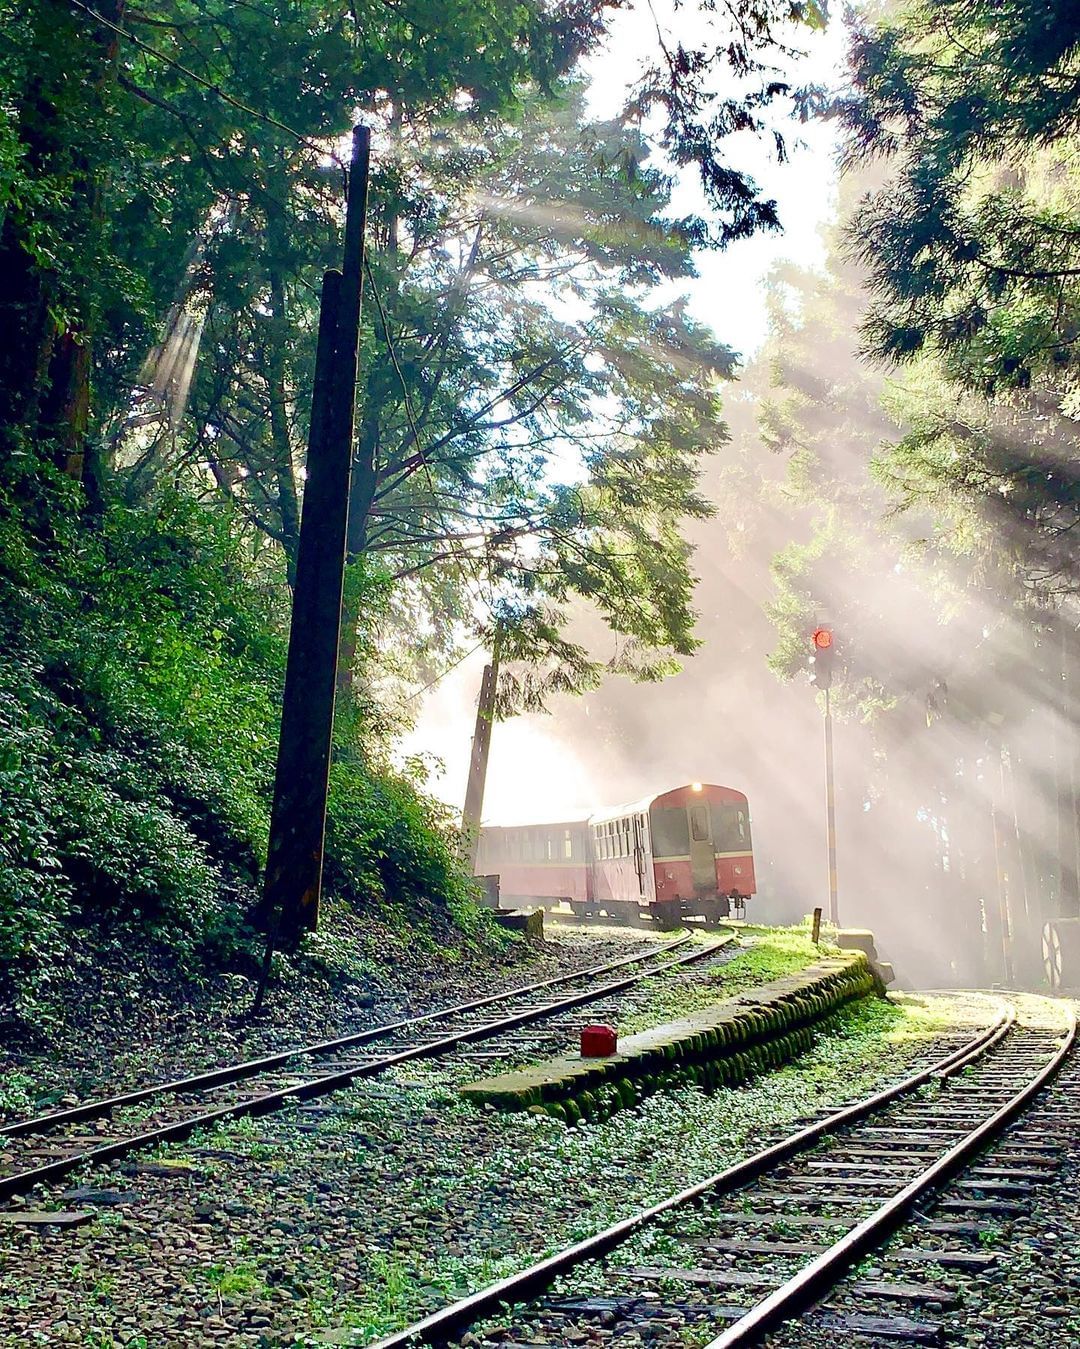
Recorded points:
(769,1025)
(767,954)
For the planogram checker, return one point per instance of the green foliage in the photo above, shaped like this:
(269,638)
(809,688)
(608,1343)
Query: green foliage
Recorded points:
(973,244)
(381,846)
(535,409)
(533,394)
(127,650)
(139,693)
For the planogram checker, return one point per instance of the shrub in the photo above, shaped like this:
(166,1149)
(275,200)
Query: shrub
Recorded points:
(143,658)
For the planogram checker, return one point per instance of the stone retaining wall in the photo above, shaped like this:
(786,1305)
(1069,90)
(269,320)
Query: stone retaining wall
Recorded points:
(722,1045)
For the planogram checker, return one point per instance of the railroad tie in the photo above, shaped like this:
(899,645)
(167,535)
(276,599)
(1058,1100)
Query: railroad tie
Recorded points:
(38,1218)
(879,1328)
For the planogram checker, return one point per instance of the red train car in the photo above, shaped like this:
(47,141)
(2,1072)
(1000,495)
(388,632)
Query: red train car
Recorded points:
(684,853)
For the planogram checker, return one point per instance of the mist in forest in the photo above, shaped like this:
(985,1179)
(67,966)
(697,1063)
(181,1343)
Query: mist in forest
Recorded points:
(955,796)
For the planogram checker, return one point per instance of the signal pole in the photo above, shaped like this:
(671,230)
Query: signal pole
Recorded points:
(830,813)
(821,663)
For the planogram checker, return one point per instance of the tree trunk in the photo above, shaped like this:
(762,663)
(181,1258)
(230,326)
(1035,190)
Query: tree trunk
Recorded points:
(44,367)
(1068,903)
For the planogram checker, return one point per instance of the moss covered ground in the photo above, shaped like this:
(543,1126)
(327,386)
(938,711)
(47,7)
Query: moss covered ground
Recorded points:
(725,1042)
(763,953)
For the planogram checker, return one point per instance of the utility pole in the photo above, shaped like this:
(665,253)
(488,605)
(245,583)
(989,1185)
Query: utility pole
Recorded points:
(293,884)
(821,666)
(481,744)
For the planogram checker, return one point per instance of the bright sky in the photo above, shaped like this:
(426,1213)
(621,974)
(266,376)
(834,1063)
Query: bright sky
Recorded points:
(728,295)
(532,770)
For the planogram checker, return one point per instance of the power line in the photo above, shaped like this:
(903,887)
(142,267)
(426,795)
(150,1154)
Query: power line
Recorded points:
(455,550)
(204,83)
(443,673)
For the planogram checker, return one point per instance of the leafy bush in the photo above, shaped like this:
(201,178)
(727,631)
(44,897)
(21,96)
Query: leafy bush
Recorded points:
(143,657)
(383,844)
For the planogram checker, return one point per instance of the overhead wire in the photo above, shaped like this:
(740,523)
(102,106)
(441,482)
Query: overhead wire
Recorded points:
(443,673)
(204,83)
(462,556)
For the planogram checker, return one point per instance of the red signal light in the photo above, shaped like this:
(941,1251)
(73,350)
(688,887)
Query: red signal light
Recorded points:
(822,638)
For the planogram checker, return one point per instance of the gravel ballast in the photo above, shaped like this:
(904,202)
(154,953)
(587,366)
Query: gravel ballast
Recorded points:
(336,1222)
(141,1030)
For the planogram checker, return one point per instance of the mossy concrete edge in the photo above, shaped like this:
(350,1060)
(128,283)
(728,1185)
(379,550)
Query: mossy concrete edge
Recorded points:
(721,1045)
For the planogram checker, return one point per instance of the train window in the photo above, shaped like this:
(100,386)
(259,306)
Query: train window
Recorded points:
(568,845)
(731,827)
(699,823)
(670,832)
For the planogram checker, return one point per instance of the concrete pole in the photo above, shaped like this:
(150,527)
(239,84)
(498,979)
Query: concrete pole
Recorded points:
(294,864)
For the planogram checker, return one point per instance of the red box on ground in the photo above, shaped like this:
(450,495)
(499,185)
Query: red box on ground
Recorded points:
(598,1042)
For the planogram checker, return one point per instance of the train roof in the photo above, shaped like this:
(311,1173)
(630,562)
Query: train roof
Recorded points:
(580,816)
(602,815)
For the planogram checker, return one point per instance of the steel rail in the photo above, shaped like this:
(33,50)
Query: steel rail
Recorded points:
(263,1104)
(217,1077)
(456,1317)
(823,1272)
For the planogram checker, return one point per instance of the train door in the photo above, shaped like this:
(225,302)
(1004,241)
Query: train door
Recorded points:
(639,855)
(702,850)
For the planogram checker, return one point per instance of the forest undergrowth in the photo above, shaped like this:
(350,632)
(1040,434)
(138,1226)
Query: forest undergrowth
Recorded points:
(142,654)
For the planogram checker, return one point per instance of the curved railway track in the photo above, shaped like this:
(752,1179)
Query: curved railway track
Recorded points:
(760,1245)
(47,1147)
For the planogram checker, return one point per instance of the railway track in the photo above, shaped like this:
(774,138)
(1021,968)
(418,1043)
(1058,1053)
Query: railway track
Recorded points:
(765,1247)
(47,1147)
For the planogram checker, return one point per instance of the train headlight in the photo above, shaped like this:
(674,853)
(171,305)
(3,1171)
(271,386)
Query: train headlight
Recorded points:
(695,786)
